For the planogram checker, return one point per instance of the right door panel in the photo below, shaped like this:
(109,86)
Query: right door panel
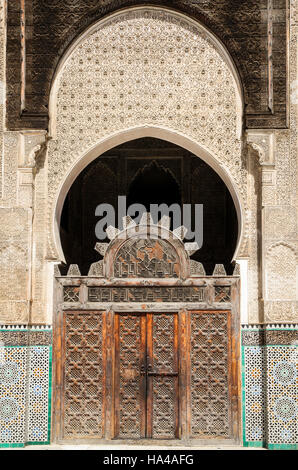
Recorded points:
(210,375)
(162,374)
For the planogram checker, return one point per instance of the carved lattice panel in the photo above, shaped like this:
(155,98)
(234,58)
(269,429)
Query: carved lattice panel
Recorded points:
(83,374)
(165,369)
(130,389)
(209,374)
(147,258)
(163,342)
(164,407)
(222,294)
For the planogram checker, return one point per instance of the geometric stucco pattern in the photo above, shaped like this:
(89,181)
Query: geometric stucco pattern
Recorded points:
(281,272)
(145,67)
(278,158)
(280,215)
(279,231)
(242,26)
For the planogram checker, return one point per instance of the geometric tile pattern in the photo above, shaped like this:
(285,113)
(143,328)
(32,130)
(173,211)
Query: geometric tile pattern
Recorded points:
(38,409)
(13,383)
(269,380)
(254,393)
(25,386)
(270,390)
(282,392)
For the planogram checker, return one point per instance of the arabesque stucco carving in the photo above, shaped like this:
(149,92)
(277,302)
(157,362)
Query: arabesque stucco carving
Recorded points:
(144,67)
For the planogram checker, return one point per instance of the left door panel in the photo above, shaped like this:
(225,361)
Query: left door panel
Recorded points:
(83,375)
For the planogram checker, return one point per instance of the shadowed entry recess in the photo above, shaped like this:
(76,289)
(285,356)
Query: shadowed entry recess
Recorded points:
(154,184)
(149,171)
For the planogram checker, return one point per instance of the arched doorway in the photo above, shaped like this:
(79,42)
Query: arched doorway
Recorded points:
(147,343)
(113,301)
(149,171)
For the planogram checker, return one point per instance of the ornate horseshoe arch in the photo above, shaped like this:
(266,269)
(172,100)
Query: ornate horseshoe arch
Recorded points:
(139,132)
(112,108)
(146,299)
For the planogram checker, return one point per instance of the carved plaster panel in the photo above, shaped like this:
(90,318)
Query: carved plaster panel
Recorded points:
(282,311)
(286,162)
(268,186)
(15,262)
(31,142)
(280,223)
(9,168)
(280,272)
(253,238)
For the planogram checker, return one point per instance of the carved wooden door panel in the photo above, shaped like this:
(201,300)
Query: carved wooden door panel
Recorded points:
(210,374)
(146,375)
(162,375)
(134,375)
(83,365)
(130,378)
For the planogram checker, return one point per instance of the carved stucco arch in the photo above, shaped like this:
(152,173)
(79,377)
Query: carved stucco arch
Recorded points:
(203,114)
(172,13)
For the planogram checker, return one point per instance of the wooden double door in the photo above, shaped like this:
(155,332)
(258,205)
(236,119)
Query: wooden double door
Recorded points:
(146,375)
(135,375)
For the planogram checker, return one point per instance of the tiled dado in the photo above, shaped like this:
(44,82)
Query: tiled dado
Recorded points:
(270,386)
(25,385)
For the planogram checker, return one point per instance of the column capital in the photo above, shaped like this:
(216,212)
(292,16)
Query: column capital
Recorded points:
(263,141)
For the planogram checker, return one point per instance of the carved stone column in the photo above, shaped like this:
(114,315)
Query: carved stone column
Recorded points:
(30,144)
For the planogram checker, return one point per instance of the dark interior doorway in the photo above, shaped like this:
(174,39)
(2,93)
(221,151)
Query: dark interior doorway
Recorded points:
(148,171)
